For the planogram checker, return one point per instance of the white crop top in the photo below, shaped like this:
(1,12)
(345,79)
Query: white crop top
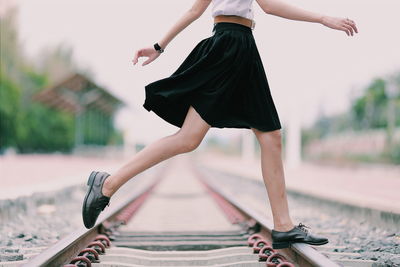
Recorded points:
(242,8)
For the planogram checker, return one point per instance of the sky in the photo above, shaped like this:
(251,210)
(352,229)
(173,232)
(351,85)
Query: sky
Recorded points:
(311,69)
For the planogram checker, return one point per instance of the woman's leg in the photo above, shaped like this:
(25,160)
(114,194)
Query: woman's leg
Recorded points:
(186,139)
(273,175)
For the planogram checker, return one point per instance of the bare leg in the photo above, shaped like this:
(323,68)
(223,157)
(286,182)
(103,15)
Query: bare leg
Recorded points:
(273,175)
(186,139)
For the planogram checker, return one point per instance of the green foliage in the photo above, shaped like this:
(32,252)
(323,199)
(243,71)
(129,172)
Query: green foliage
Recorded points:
(369,110)
(38,81)
(30,126)
(27,125)
(394,153)
(9,109)
(45,130)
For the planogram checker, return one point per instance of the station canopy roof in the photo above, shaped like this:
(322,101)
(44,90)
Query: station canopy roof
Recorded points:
(76,93)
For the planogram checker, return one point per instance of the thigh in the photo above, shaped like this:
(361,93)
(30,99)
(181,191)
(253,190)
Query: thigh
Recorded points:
(194,125)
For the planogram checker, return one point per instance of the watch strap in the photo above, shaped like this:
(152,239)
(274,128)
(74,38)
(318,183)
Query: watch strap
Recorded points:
(158,48)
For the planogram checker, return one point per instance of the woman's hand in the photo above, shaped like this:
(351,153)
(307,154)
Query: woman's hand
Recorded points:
(343,24)
(149,52)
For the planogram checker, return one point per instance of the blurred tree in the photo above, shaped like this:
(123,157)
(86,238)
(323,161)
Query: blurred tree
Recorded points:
(24,124)
(43,133)
(11,54)
(369,110)
(42,129)
(9,108)
(396,97)
(10,88)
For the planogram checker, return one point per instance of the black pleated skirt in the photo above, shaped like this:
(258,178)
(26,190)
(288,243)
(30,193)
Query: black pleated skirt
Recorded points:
(223,79)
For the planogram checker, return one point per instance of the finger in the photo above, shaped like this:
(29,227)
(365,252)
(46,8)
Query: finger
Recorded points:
(350,25)
(355,28)
(345,30)
(135,58)
(139,54)
(353,24)
(147,61)
(350,29)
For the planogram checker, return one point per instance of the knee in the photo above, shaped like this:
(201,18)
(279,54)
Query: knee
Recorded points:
(187,143)
(271,139)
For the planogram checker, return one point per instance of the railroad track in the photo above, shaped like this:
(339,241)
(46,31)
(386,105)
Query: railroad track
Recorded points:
(183,218)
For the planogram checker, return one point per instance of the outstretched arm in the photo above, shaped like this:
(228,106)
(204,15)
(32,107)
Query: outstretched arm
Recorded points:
(191,15)
(281,9)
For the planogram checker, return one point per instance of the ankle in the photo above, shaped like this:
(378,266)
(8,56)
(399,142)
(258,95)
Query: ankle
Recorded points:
(107,189)
(283,227)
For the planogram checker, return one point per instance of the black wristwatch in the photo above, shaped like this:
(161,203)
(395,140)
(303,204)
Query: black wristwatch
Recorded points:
(158,48)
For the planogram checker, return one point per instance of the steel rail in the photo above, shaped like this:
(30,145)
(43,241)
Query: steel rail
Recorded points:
(302,254)
(68,247)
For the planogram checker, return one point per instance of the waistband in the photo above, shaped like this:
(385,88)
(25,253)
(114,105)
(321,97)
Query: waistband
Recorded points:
(221,26)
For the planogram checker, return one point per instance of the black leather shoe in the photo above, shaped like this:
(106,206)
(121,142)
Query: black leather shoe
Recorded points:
(297,235)
(94,201)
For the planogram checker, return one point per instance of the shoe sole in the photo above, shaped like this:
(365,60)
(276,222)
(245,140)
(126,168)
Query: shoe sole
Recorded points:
(280,245)
(90,183)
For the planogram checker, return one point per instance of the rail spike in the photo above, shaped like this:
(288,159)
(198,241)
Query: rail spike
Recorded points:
(98,246)
(253,238)
(285,264)
(103,239)
(90,253)
(265,252)
(81,259)
(278,260)
(259,244)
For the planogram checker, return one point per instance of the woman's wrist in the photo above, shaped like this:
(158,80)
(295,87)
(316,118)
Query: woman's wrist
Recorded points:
(162,45)
(322,19)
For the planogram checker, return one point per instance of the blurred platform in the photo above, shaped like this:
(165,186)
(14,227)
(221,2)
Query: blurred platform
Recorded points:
(372,186)
(23,175)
